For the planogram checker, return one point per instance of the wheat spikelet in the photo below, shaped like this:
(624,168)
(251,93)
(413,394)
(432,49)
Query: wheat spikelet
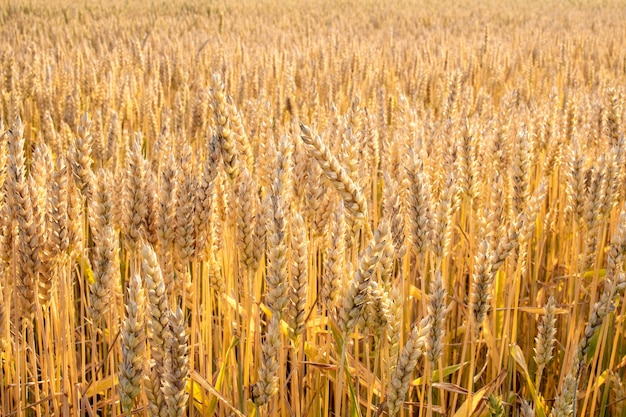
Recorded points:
(75,206)
(21,218)
(162,145)
(179,112)
(131,367)
(135,210)
(594,200)
(392,208)
(104,254)
(113,135)
(176,365)
(277,285)
(353,198)
(552,158)
(151,202)
(375,311)
(437,309)
(72,106)
(594,193)
(372,143)
(205,194)
(101,204)
(611,178)
(267,384)
(302,168)
(260,230)
(442,216)
(575,188)
(299,274)
(223,130)
(334,260)
(487,266)
(481,284)
(493,217)
(615,283)
(41,167)
(199,113)
(412,350)
(157,316)
(600,310)
(264,134)
(283,170)
(349,156)
(29,257)
(243,143)
(544,341)
(386,263)
(417,206)
(220,210)
(215,277)
(357,294)
(612,117)
(185,238)
(14,173)
(97,150)
(520,174)
(80,157)
(168,192)
(525,224)
(49,132)
(394,323)
(58,211)
(617,249)
(463,162)
(105,263)
(246,218)
(319,202)
(565,401)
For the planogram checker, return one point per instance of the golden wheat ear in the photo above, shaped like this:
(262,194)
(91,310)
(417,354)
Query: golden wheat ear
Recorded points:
(132,364)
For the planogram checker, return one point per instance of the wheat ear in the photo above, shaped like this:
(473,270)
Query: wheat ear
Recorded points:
(157,317)
(133,345)
(358,291)
(412,350)
(353,198)
(267,385)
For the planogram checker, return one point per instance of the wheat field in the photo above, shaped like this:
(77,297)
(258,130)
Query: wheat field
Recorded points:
(322,208)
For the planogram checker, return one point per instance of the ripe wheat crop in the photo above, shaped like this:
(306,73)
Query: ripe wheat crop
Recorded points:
(281,208)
